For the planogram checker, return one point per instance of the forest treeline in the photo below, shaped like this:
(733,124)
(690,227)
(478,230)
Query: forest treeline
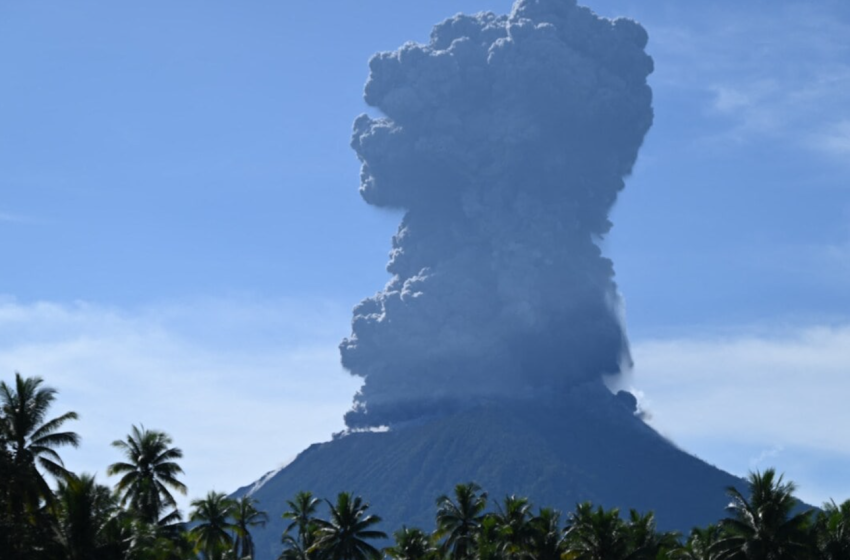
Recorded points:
(50,513)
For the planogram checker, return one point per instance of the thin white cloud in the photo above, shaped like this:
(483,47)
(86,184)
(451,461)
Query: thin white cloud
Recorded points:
(729,100)
(764,457)
(748,399)
(834,139)
(6,217)
(241,386)
(800,110)
(824,265)
(780,74)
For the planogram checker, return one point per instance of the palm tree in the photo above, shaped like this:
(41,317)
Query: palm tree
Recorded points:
(148,474)
(213,526)
(33,439)
(514,527)
(152,541)
(832,531)
(245,516)
(29,442)
(301,548)
(7,521)
(458,521)
(596,534)
(82,513)
(487,540)
(344,535)
(764,527)
(645,541)
(547,538)
(302,511)
(700,544)
(411,544)
(302,516)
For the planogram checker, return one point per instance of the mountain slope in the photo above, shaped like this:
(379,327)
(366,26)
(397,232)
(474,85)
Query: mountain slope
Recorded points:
(587,447)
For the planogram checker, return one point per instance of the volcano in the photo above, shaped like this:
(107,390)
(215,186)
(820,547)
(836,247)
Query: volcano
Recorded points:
(558,454)
(487,356)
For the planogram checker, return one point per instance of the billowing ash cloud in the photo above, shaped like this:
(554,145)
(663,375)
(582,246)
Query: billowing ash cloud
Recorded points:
(506,140)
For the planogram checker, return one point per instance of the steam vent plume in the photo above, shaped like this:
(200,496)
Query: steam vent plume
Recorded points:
(505,140)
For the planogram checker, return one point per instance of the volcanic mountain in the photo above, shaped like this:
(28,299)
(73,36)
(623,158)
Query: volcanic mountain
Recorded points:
(589,446)
(506,141)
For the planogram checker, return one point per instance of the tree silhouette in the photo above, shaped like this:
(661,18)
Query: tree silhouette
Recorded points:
(459,520)
(547,538)
(411,544)
(645,541)
(700,544)
(148,474)
(596,534)
(764,527)
(32,438)
(302,516)
(245,516)
(83,512)
(513,523)
(344,535)
(832,529)
(302,512)
(213,527)
(29,442)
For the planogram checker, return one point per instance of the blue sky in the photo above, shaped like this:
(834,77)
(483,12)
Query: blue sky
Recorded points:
(183,238)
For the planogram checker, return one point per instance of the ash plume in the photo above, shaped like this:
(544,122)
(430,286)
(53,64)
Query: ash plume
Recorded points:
(505,139)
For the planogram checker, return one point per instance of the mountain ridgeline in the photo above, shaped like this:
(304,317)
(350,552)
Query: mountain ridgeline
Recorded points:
(589,447)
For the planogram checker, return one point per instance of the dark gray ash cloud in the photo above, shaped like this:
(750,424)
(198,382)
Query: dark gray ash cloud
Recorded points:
(505,140)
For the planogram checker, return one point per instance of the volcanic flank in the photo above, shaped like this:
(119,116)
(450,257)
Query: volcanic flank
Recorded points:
(505,140)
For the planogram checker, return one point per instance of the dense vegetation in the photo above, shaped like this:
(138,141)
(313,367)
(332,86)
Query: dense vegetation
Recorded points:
(79,519)
(48,512)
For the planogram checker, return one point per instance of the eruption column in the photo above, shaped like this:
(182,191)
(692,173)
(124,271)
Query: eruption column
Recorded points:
(505,140)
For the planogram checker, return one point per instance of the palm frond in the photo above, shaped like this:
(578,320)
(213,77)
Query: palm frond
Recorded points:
(57,439)
(52,425)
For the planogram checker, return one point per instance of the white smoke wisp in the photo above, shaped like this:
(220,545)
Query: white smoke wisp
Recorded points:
(506,140)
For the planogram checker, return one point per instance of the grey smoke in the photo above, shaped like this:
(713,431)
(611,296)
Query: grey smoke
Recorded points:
(505,140)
